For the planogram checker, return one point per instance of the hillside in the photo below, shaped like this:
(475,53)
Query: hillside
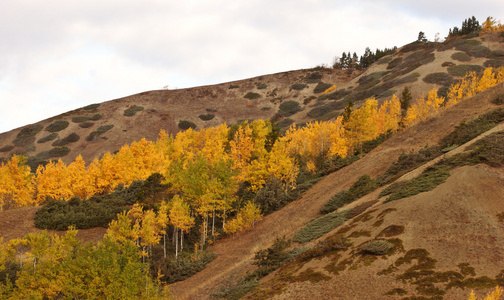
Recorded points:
(293,97)
(441,243)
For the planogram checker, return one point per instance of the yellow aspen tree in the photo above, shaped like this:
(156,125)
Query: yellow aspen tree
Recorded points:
(149,232)
(338,141)
(362,125)
(281,165)
(163,221)
(147,159)
(330,89)
(487,80)
(135,215)
(496,294)
(241,151)
(120,230)
(180,218)
(125,165)
(80,181)
(18,188)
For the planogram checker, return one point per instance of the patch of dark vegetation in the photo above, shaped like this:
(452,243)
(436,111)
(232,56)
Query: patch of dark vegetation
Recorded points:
(234,290)
(86,124)
(465,132)
(493,63)
(57,126)
(265,108)
(440,78)
(427,181)
(319,111)
(448,64)
(129,112)
(359,209)
(270,259)
(185,266)
(30,131)
(391,230)
(7,148)
(394,63)
(206,117)
(461,56)
(262,86)
(489,150)
(71,138)
(288,108)
(361,187)
(252,96)
(298,86)
(320,226)
(104,128)
(91,106)
(185,124)
(313,77)
(339,94)
(53,153)
(321,87)
(461,70)
(285,123)
(233,86)
(93,136)
(335,163)
(397,291)
(332,244)
(273,196)
(408,162)
(376,247)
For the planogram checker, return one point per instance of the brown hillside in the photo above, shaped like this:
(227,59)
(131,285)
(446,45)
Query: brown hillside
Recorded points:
(235,255)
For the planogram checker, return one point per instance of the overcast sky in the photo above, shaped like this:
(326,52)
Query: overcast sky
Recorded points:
(57,55)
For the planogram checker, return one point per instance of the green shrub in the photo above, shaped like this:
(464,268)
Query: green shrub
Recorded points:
(386,94)
(104,128)
(235,291)
(394,63)
(57,126)
(24,142)
(184,125)
(493,63)
(333,243)
(320,226)
(7,148)
(448,64)
(206,117)
(54,152)
(129,112)
(71,138)
(265,108)
(261,86)
(185,266)
(285,123)
(252,96)
(440,78)
(272,196)
(376,247)
(86,124)
(337,201)
(80,119)
(268,260)
(461,70)
(391,230)
(408,162)
(93,136)
(298,86)
(488,150)
(313,77)
(461,56)
(30,131)
(427,181)
(91,106)
(288,108)
(319,111)
(233,86)
(96,117)
(339,94)
(321,87)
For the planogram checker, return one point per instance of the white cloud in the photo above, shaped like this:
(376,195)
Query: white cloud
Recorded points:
(56,56)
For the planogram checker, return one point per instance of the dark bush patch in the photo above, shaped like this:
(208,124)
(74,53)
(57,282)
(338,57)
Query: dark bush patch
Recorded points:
(261,86)
(184,125)
(440,78)
(7,148)
(80,119)
(86,124)
(321,87)
(376,247)
(361,187)
(394,63)
(339,94)
(309,99)
(252,96)
(54,152)
(285,123)
(129,112)
(499,100)
(30,130)
(233,86)
(96,117)
(386,94)
(92,136)
(265,108)
(298,86)
(206,117)
(461,56)
(91,106)
(57,126)
(493,63)
(104,128)
(71,138)
(288,108)
(319,111)
(24,142)
(391,230)
(48,138)
(313,77)
(320,226)
(461,70)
